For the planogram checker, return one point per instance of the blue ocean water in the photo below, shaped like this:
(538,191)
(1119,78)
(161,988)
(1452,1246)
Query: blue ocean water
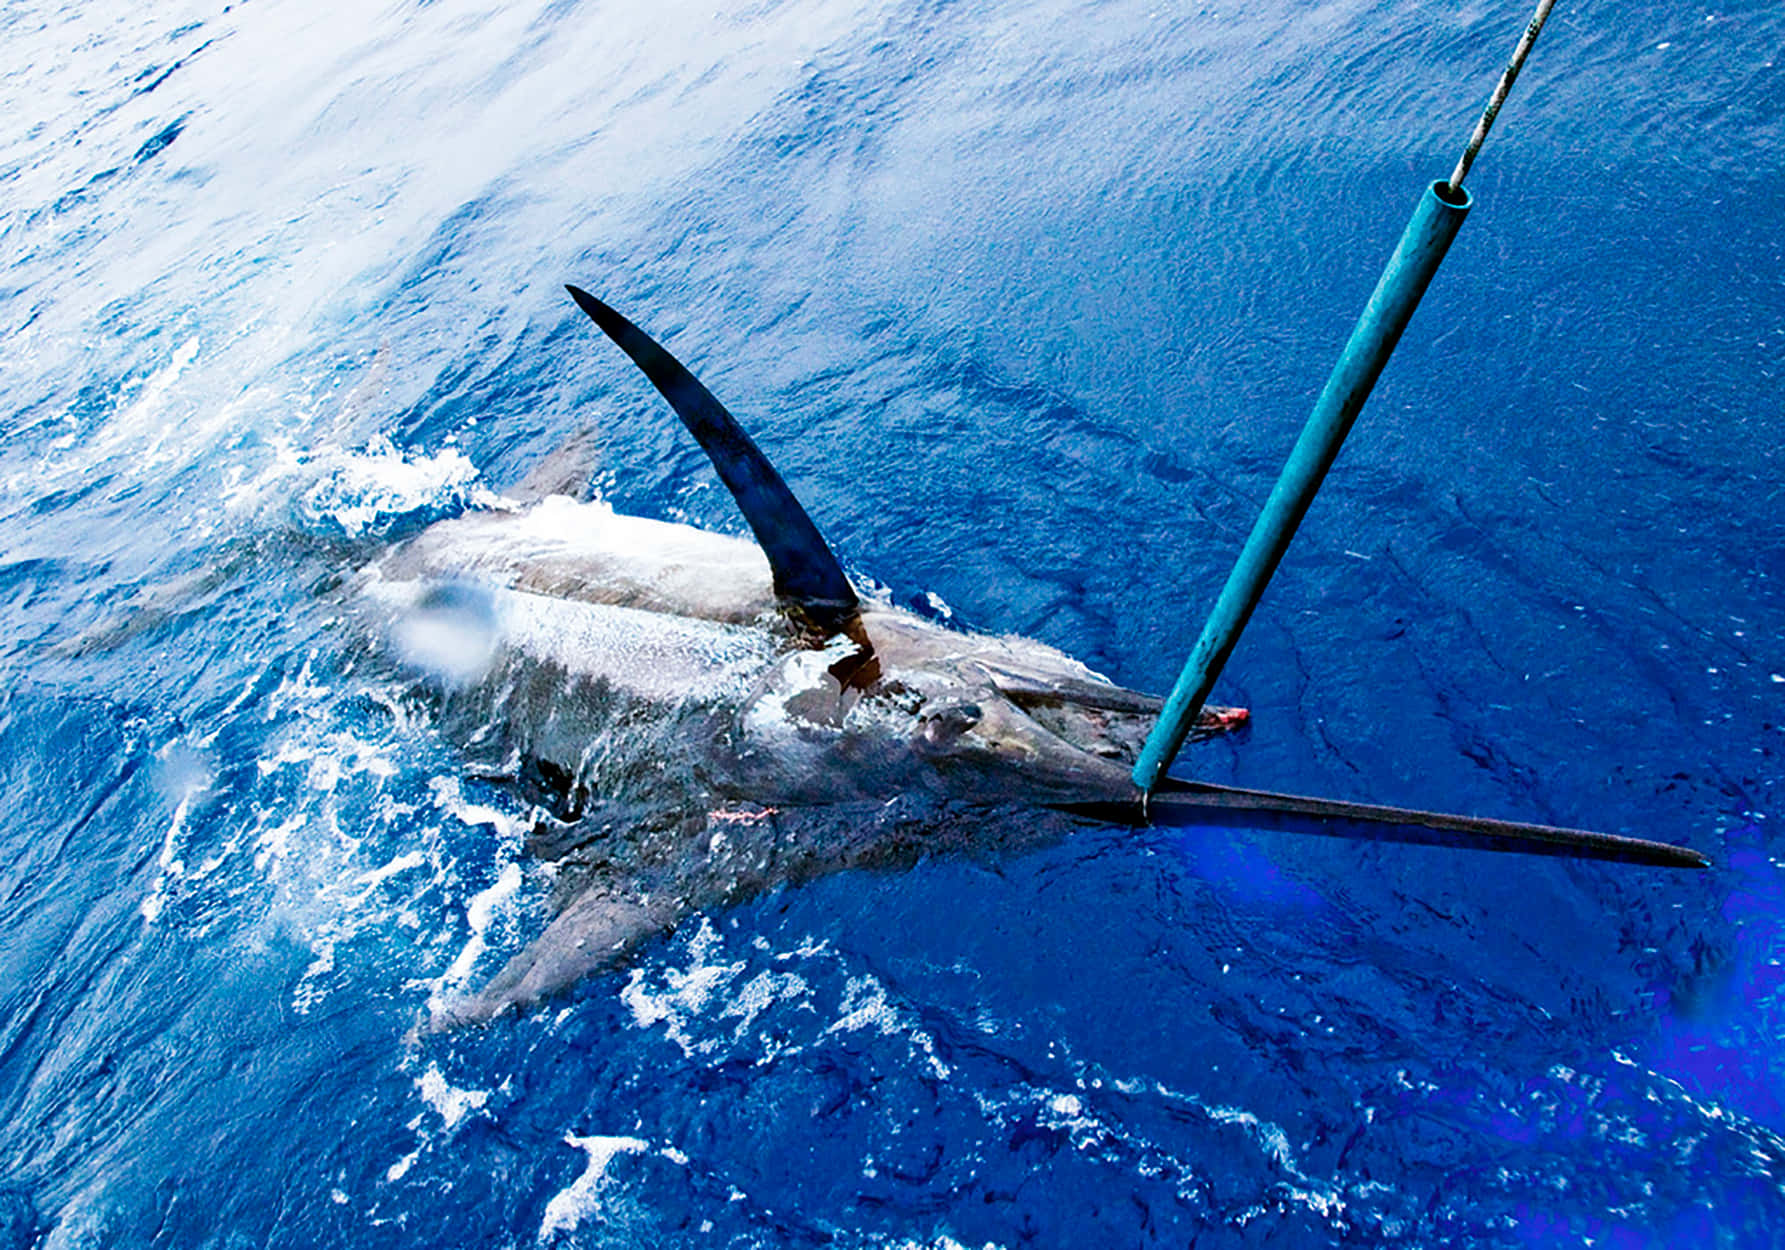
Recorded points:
(1027,302)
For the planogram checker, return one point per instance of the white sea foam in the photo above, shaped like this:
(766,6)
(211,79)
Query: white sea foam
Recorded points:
(149,401)
(1072,1114)
(365,491)
(185,776)
(342,848)
(486,906)
(479,912)
(684,993)
(451,1103)
(355,491)
(571,1206)
(134,439)
(866,1006)
(449,795)
(709,1007)
(374,878)
(1764,1147)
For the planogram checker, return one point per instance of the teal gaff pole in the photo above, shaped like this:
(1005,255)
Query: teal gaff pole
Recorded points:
(1423,244)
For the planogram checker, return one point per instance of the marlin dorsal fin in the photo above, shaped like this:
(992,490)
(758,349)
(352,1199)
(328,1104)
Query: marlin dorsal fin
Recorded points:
(808,578)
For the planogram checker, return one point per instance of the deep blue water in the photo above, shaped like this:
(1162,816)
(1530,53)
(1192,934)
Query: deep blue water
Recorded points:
(1027,301)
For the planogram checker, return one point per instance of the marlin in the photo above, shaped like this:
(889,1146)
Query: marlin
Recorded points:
(700,718)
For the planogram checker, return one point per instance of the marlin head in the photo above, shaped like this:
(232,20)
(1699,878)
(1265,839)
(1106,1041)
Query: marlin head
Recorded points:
(971,717)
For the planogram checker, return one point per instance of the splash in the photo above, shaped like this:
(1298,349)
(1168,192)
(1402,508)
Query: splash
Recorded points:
(569,1208)
(384,491)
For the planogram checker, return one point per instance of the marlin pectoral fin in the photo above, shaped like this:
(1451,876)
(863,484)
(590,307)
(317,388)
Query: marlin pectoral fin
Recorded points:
(807,575)
(595,930)
(1181,803)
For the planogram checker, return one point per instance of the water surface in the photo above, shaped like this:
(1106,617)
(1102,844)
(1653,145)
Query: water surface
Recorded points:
(1027,302)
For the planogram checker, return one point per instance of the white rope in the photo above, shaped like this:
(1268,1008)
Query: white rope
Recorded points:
(1500,92)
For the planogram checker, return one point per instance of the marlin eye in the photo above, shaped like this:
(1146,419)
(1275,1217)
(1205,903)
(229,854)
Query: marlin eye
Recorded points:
(949,721)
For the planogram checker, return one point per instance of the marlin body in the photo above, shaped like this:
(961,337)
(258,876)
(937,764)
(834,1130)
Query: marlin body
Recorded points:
(691,744)
(701,717)
(654,613)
